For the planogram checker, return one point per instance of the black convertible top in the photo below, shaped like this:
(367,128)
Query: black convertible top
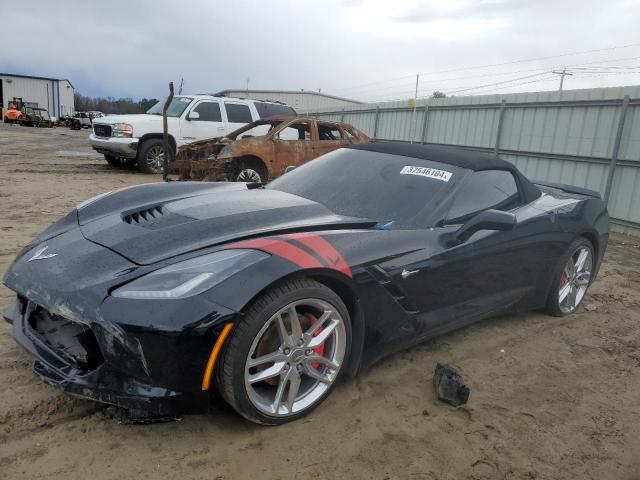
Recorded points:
(456,156)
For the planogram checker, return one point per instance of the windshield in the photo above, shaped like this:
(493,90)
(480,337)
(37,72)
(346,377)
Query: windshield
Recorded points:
(177,106)
(377,186)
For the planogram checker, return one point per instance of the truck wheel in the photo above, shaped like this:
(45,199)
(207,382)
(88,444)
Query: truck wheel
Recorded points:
(151,156)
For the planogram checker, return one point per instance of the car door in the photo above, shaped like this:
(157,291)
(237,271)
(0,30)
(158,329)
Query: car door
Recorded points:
(293,144)
(330,137)
(208,124)
(238,115)
(458,283)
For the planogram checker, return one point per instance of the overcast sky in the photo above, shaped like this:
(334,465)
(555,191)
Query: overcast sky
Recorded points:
(365,49)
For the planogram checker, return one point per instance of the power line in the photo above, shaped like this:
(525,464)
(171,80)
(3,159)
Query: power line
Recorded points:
(496,83)
(512,62)
(371,92)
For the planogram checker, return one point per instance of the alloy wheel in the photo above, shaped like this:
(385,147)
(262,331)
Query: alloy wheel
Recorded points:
(155,157)
(249,175)
(575,279)
(295,357)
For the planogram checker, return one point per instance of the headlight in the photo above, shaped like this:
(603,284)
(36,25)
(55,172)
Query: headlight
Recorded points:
(122,130)
(224,153)
(191,277)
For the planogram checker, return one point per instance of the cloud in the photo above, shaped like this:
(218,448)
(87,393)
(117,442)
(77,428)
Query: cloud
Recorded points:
(134,48)
(458,11)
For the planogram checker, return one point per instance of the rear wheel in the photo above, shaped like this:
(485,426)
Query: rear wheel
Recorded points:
(572,279)
(286,354)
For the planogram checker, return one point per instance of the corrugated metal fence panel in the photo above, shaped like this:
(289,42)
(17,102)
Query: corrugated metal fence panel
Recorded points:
(624,203)
(565,137)
(362,121)
(630,146)
(398,125)
(473,127)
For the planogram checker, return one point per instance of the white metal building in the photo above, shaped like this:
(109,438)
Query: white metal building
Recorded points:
(300,100)
(56,95)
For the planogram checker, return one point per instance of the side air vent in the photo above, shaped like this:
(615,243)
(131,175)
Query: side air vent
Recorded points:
(143,216)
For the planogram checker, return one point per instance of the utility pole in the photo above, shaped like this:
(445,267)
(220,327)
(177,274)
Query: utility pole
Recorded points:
(248,80)
(180,87)
(562,74)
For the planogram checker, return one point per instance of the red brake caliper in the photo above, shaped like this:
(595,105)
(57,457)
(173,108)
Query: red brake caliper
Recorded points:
(564,278)
(319,349)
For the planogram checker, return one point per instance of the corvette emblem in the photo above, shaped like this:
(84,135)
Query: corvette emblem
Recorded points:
(40,255)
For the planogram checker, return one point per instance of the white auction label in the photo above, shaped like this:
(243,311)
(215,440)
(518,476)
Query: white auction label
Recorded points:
(426,172)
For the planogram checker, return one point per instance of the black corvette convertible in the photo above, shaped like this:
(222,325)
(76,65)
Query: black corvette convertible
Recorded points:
(154,297)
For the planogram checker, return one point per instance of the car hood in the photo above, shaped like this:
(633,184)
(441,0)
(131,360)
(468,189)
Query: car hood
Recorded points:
(132,119)
(150,223)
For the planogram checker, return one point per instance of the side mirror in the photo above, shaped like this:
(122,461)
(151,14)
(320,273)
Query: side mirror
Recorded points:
(193,116)
(290,168)
(487,220)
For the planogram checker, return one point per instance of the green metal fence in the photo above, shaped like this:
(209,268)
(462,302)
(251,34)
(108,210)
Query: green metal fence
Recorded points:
(589,138)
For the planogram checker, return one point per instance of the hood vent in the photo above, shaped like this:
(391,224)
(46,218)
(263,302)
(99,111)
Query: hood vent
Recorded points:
(143,216)
(155,218)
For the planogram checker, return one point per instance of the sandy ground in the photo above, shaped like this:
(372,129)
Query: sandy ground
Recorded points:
(551,398)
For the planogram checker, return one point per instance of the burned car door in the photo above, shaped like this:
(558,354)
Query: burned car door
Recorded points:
(293,145)
(330,137)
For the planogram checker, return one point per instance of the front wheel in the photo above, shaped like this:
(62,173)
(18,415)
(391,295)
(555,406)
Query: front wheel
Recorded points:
(286,354)
(572,279)
(249,175)
(150,157)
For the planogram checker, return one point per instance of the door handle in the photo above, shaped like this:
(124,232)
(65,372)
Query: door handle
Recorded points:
(407,273)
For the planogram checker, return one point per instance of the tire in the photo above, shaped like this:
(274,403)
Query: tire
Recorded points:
(579,280)
(150,148)
(249,175)
(249,169)
(234,374)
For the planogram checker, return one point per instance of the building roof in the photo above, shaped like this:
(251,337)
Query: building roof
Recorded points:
(223,93)
(35,77)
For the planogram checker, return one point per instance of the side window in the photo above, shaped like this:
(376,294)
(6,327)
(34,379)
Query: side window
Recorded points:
(488,189)
(237,113)
(329,132)
(266,110)
(296,131)
(209,112)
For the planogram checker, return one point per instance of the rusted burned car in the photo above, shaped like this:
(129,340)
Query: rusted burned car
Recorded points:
(262,150)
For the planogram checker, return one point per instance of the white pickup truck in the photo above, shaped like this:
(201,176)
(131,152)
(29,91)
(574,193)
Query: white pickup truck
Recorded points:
(138,138)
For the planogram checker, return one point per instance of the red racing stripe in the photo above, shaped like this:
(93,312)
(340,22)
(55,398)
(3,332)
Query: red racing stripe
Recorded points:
(281,249)
(324,249)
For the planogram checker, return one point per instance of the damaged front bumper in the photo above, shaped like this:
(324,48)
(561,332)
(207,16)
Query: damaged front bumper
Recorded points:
(149,373)
(114,146)
(203,160)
